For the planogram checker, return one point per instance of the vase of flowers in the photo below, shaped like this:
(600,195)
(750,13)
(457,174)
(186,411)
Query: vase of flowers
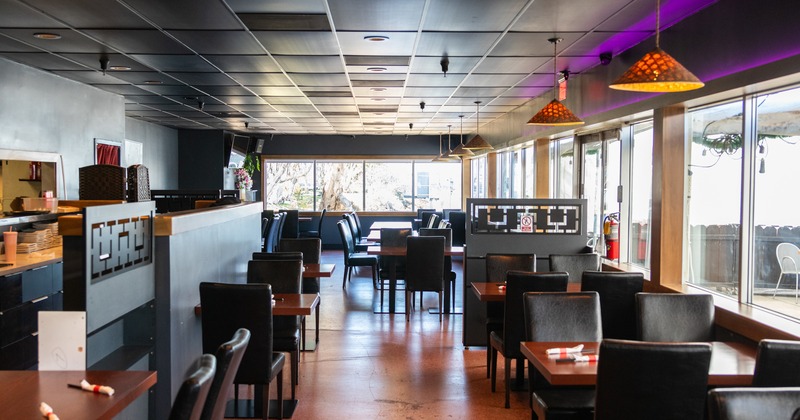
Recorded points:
(243,183)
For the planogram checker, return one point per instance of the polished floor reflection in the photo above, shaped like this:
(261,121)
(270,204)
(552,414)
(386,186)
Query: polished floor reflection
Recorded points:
(370,366)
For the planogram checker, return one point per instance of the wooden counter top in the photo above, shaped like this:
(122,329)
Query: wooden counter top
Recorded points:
(183,221)
(30,261)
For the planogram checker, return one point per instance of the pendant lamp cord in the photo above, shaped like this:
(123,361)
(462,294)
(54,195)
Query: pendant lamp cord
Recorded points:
(658,22)
(555,66)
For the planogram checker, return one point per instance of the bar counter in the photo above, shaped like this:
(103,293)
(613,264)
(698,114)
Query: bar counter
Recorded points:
(30,261)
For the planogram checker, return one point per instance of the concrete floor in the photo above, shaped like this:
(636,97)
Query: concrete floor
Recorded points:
(373,366)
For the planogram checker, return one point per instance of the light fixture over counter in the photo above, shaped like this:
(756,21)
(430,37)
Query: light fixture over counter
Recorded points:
(555,113)
(477,142)
(657,71)
(460,150)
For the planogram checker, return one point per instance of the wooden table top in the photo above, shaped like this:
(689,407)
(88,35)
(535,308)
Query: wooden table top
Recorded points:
(732,364)
(286,304)
(25,390)
(318,270)
(400,251)
(492,292)
(391,225)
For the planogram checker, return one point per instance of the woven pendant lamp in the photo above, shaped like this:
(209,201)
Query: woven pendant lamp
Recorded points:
(657,71)
(477,142)
(555,113)
(460,150)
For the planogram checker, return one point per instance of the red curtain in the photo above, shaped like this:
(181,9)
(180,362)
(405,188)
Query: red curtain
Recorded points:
(107,154)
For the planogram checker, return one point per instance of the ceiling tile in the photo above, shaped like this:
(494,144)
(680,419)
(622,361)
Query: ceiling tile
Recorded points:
(510,64)
(138,41)
(219,42)
(455,43)
(224,90)
(90,77)
(399,43)
(187,14)
(332,79)
(298,42)
(311,64)
(285,22)
(204,79)
(471,15)
(175,63)
(261,79)
(70,41)
(276,90)
(516,44)
(17,15)
(490,80)
(244,63)
(11,45)
(122,89)
(435,79)
(44,61)
(363,15)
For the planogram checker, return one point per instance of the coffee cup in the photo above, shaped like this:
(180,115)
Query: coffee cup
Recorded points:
(10,244)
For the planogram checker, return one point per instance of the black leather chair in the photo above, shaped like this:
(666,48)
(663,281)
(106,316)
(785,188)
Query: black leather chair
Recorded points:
(449,274)
(645,380)
(561,316)
(425,268)
(273,233)
(507,341)
(278,256)
(285,276)
(574,264)
(291,225)
(426,216)
(361,244)
(312,251)
(188,404)
(617,290)
(228,307)
(458,222)
(753,403)
(497,265)
(691,317)
(393,237)
(353,259)
(315,233)
(229,356)
(777,363)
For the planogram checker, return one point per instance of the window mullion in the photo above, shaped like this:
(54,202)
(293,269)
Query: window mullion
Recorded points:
(747,220)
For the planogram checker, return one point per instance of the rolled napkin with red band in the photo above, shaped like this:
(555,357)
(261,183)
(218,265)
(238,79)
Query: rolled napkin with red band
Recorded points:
(564,351)
(97,389)
(47,411)
(589,358)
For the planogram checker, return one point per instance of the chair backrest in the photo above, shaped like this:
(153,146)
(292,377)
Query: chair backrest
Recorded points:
(285,276)
(265,222)
(229,356)
(351,223)
(458,222)
(420,211)
(447,233)
(617,300)
(310,247)
(497,265)
(228,307)
(691,317)
(788,257)
(562,316)
(191,398)
(425,263)
(652,380)
(279,233)
(446,213)
(753,403)
(444,224)
(359,231)
(348,246)
(273,234)
(321,219)
(777,363)
(517,284)
(291,225)
(394,236)
(433,221)
(575,264)
(426,217)
(273,256)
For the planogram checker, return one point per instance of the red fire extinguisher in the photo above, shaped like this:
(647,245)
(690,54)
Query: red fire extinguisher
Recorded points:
(611,233)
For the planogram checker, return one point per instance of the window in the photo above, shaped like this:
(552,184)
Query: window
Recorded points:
(479,177)
(361,185)
(601,173)
(529,157)
(562,168)
(641,187)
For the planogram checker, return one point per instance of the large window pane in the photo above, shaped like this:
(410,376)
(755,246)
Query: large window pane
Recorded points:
(565,169)
(530,168)
(776,216)
(714,198)
(340,185)
(289,185)
(443,185)
(593,186)
(641,194)
(388,186)
(478,175)
(517,166)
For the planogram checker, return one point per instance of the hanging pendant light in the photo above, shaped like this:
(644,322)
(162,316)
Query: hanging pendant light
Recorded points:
(657,71)
(555,113)
(446,157)
(440,157)
(477,142)
(460,150)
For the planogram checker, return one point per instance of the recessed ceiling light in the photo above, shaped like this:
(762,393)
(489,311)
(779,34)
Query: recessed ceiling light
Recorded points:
(378,113)
(119,68)
(378,99)
(378,89)
(376,69)
(376,38)
(153,82)
(46,35)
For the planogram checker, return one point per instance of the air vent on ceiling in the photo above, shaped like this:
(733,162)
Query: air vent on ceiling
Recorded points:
(340,114)
(228,114)
(383,123)
(285,22)
(322,94)
(384,110)
(376,60)
(377,83)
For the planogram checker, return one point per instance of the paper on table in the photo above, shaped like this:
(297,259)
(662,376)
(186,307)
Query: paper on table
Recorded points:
(47,411)
(563,351)
(586,358)
(98,389)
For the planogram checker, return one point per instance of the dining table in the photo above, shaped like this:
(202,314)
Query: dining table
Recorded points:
(732,363)
(25,390)
(496,292)
(400,251)
(390,225)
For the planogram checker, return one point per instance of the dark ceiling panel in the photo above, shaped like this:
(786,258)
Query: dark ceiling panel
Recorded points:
(70,41)
(11,45)
(122,89)
(379,17)
(399,43)
(91,13)
(510,64)
(236,100)
(285,22)
(219,42)
(148,99)
(471,15)
(43,61)
(17,15)
(333,79)
(225,90)
(534,44)
(261,79)
(311,64)
(377,83)
(204,79)
(171,90)
(187,14)
(139,41)
(491,80)
(93,61)
(175,63)
(243,63)
(298,42)
(140,77)
(277,6)
(90,77)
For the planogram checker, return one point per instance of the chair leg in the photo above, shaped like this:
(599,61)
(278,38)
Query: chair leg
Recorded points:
(488,353)
(441,308)
(777,285)
(344,275)
(507,375)
(520,372)
(408,309)
(492,367)
(280,394)
(295,361)
(265,401)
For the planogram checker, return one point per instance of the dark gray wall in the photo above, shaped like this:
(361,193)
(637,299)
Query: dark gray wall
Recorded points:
(160,153)
(201,153)
(45,113)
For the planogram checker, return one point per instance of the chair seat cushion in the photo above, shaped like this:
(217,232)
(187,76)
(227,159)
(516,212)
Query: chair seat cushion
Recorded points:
(286,343)
(309,234)
(568,399)
(496,340)
(362,259)
(278,361)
